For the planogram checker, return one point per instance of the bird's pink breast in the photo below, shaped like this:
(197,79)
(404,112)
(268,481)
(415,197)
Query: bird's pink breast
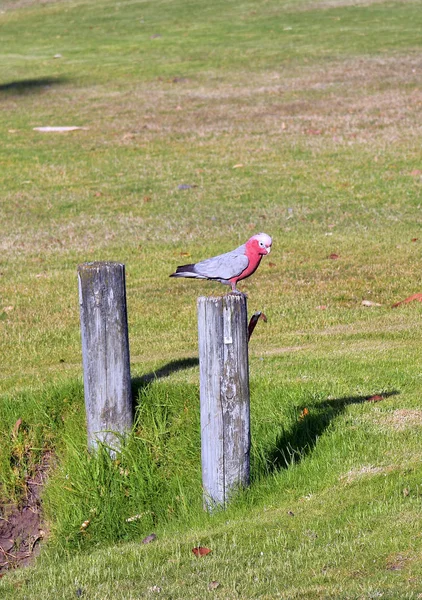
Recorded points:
(254,260)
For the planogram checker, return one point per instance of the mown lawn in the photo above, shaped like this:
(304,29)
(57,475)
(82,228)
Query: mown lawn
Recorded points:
(301,119)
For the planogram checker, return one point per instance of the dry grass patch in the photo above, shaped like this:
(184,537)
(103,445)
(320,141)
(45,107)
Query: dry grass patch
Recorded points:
(402,419)
(366,471)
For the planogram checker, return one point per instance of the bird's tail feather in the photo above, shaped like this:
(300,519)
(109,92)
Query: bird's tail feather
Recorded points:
(187,271)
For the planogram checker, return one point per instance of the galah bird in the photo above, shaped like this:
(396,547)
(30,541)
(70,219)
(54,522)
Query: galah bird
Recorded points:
(231,267)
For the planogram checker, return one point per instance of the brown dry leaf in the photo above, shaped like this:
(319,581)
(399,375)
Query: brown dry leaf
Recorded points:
(271,264)
(184,254)
(304,413)
(414,239)
(376,398)
(16,426)
(213,585)
(334,256)
(411,298)
(201,551)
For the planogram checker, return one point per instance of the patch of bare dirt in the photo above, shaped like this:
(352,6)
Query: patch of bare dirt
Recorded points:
(21,527)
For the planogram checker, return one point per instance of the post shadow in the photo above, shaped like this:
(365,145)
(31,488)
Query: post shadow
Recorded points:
(138,383)
(294,445)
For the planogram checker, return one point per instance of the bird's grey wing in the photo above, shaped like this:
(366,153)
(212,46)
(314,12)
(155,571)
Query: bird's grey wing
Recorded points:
(224,266)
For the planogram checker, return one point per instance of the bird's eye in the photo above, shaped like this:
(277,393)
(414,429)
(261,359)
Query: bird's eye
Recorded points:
(261,244)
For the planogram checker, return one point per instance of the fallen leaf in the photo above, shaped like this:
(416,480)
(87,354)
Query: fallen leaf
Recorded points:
(238,166)
(304,413)
(411,298)
(184,254)
(201,551)
(271,264)
(370,303)
(213,585)
(334,256)
(16,426)
(376,398)
(414,239)
(150,538)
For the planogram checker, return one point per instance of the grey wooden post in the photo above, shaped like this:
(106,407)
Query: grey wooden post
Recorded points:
(224,396)
(105,352)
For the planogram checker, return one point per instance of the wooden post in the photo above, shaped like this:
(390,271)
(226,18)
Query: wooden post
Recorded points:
(105,352)
(224,396)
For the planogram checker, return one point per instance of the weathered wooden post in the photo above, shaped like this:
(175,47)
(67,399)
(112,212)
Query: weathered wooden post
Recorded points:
(105,352)
(224,396)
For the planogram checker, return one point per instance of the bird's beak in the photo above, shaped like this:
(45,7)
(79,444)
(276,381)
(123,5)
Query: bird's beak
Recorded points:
(268,249)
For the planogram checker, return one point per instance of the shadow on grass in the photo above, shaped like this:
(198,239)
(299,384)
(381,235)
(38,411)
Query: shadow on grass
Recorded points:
(138,383)
(23,86)
(295,444)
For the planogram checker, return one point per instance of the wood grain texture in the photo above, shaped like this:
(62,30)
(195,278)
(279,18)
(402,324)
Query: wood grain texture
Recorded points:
(224,396)
(105,352)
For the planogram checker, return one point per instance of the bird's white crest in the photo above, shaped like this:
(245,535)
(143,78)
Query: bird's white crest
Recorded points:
(263,237)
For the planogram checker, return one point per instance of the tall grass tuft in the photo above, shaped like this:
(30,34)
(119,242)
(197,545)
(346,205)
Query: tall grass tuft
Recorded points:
(154,479)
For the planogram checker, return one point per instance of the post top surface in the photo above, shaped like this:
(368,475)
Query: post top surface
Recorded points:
(226,299)
(95,265)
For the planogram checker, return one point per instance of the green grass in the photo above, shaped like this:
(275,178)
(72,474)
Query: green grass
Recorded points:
(320,104)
